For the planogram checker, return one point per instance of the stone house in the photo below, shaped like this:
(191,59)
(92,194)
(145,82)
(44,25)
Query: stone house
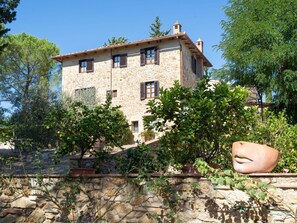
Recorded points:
(133,72)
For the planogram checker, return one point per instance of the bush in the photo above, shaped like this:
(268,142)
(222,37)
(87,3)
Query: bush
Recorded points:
(143,160)
(200,123)
(79,127)
(276,132)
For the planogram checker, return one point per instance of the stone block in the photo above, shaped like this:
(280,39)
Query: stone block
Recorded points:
(112,217)
(4,198)
(145,219)
(37,216)
(97,186)
(73,216)
(8,219)
(292,196)
(88,187)
(205,188)
(23,202)
(109,191)
(49,216)
(95,194)
(138,200)
(14,211)
(123,209)
(82,198)
(51,208)
(118,181)
(33,197)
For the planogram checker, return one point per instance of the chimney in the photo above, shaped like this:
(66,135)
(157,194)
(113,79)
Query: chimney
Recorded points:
(199,44)
(176,28)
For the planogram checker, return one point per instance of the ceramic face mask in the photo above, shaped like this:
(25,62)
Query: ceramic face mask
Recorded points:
(253,158)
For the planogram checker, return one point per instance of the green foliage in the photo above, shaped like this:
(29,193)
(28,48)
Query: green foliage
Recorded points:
(116,41)
(202,122)
(276,132)
(143,160)
(156,29)
(148,134)
(79,127)
(255,189)
(7,15)
(28,124)
(6,132)
(259,45)
(26,67)
(26,73)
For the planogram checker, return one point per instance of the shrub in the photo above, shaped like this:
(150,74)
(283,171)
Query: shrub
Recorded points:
(79,127)
(276,132)
(143,160)
(200,123)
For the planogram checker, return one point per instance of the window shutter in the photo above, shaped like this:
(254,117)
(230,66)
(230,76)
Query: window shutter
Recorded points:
(113,59)
(142,57)
(123,60)
(193,64)
(156,88)
(196,67)
(142,91)
(157,55)
(90,65)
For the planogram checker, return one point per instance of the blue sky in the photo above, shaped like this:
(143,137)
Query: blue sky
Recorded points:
(75,25)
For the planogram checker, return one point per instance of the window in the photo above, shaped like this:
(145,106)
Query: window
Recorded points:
(135,126)
(113,93)
(120,60)
(193,64)
(149,89)
(86,66)
(86,95)
(149,56)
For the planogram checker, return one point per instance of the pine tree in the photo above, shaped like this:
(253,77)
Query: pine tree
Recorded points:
(156,29)
(115,41)
(7,15)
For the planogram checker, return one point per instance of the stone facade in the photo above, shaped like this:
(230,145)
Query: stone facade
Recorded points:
(118,198)
(176,53)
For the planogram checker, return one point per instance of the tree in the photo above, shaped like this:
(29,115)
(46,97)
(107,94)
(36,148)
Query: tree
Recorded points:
(156,29)
(260,46)
(5,127)
(26,72)
(116,41)
(79,127)
(26,67)
(200,123)
(7,15)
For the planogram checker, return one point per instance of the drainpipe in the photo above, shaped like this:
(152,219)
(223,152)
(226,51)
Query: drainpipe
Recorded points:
(111,66)
(181,62)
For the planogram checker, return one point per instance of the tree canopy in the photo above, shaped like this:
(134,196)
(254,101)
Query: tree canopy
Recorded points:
(79,127)
(7,15)
(115,41)
(260,46)
(156,29)
(26,66)
(202,122)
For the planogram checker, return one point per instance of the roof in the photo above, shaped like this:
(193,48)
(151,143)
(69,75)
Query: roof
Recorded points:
(182,36)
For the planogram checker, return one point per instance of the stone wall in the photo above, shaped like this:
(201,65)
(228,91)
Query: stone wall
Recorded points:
(126,80)
(118,198)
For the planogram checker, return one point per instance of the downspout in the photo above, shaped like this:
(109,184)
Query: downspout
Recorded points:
(181,63)
(111,66)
